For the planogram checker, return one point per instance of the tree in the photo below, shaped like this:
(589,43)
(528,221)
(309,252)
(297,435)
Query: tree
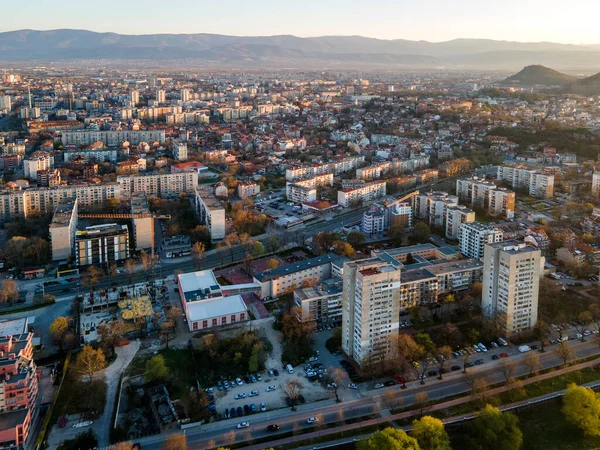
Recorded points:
(337,376)
(174,442)
(581,407)
(344,249)
(122,446)
(129,268)
(9,291)
(397,235)
(392,400)
(495,430)
(58,329)
(273,244)
(532,362)
(444,353)
(156,370)
(564,352)
(355,238)
(197,252)
(507,368)
(272,263)
(421,402)
(430,434)
(14,251)
(584,319)
(90,361)
(389,438)
(111,334)
(293,389)
(541,331)
(420,233)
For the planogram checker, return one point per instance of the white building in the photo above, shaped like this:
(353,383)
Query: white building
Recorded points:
(368,192)
(474,236)
(370,309)
(455,216)
(180,151)
(92,155)
(336,167)
(158,185)
(62,230)
(134,97)
(210,212)
(101,244)
(511,285)
(485,194)
(373,221)
(160,96)
(432,207)
(37,161)
(538,184)
(111,138)
(248,189)
(306,190)
(596,184)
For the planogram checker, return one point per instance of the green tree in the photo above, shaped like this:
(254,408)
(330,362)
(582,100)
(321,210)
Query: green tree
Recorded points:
(495,430)
(581,407)
(255,356)
(156,369)
(388,439)
(397,235)
(430,434)
(420,233)
(355,238)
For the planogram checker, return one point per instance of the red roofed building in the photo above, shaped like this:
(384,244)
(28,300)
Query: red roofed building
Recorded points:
(191,166)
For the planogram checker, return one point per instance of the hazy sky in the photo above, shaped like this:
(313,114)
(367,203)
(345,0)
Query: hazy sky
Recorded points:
(574,21)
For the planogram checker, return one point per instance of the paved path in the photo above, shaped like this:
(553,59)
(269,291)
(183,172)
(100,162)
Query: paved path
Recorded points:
(103,424)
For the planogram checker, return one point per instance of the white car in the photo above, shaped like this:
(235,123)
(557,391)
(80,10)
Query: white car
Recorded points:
(243,425)
(263,407)
(239,381)
(312,420)
(253,393)
(270,388)
(352,386)
(85,423)
(209,390)
(378,385)
(241,395)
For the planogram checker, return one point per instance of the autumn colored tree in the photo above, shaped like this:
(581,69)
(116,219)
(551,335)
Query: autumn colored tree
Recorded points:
(90,361)
(430,434)
(389,438)
(175,442)
(495,430)
(9,291)
(581,407)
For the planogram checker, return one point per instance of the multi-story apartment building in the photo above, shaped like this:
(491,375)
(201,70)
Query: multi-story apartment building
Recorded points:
(37,161)
(368,192)
(92,155)
(596,184)
(302,190)
(511,285)
(23,203)
(321,303)
(210,212)
(432,207)
(370,309)
(19,385)
(142,222)
(289,277)
(485,194)
(101,244)
(48,178)
(111,138)
(373,221)
(248,189)
(537,183)
(160,96)
(158,185)
(337,167)
(62,230)
(372,172)
(474,236)
(180,151)
(455,216)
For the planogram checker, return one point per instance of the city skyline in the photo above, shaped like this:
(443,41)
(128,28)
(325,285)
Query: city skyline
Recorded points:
(436,21)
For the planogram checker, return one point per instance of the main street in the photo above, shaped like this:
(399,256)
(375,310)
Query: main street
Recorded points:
(371,401)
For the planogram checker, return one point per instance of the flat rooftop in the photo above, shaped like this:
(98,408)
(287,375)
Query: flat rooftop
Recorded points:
(215,307)
(199,285)
(328,258)
(62,215)
(13,327)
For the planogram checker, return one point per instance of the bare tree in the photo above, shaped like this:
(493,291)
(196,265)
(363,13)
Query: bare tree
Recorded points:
(392,399)
(479,385)
(9,291)
(445,353)
(507,368)
(564,352)
(542,332)
(293,389)
(532,362)
(421,402)
(337,376)
(582,324)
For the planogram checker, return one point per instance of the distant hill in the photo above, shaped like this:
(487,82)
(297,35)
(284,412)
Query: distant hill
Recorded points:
(539,75)
(586,86)
(292,51)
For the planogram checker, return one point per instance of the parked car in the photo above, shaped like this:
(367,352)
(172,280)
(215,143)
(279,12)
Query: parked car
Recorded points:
(495,357)
(352,386)
(390,383)
(232,412)
(503,355)
(253,393)
(378,385)
(239,381)
(240,411)
(263,407)
(240,396)
(258,377)
(270,388)
(276,372)
(454,368)
(253,408)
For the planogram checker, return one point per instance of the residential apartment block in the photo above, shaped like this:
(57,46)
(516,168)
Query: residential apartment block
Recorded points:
(63,229)
(101,244)
(537,183)
(37,161)
(485,194)
(596,184)
(432,207)
(248,189)
(511,285)
(111,138)
(210,212)
(92,155)
(322,303)
(455,217)
(372,172)
(373,221)
(368,192)
(336,167)
(166,185)
(180,151)
(15,203)
(303,190)
(474,236)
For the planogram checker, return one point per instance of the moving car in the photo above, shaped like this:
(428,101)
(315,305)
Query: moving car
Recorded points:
(312,420)
(243,425)
(272,427)
(378,385)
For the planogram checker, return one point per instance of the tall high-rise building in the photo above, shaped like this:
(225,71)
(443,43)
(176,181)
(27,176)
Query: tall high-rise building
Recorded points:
(370,309)
(185,95)
(511,285)
(596,184)
(134,97)
(474,236)
(160,96)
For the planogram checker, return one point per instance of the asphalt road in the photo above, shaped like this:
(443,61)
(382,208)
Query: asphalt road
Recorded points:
(453,384)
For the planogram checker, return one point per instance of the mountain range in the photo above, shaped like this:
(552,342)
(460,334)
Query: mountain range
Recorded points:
(538,75)
(316,52)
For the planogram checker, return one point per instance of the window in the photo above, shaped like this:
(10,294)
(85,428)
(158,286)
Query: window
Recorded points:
(214,322)
(223,320)
(205,324)
(242,316)
(232,318)
(196,325)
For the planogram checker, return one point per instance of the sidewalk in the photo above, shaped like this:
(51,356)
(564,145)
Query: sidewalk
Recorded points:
(387,421)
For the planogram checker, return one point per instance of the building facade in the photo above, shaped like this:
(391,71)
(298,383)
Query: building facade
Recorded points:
(102,244)
(210,212)
(111,138)
(166,185)
(455,217)
(368,192)
(474,236)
